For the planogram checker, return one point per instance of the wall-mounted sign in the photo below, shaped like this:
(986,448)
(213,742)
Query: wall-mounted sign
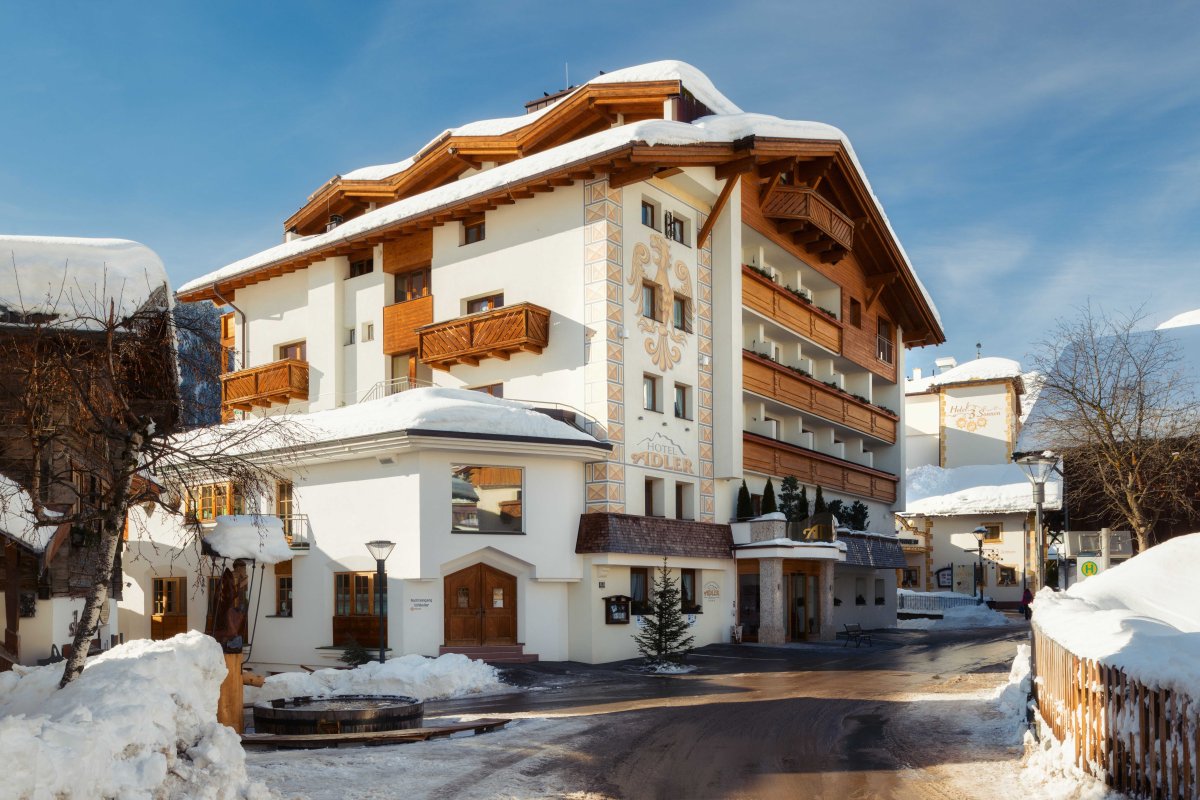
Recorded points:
(712,590)
(419,603)
(660,452)
(616,610)
(1089,567)
(818,528)
(945,577)
(972,417)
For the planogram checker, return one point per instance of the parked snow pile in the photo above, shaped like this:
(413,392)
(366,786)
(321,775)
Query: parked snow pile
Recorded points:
(1142,616)
(449,675)
(139,722)
(958,617)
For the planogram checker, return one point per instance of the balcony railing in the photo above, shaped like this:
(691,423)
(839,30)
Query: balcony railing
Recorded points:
(277,382)
(777,303)
(766,378)
(885,350)
(772,457)
(297,531)
(394,386)
(795,203)
(489,334)
(400,323)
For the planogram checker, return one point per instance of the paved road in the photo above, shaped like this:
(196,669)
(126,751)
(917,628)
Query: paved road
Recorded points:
(818,722)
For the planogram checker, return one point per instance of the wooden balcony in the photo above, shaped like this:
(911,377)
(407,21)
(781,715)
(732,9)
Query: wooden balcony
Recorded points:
(277,382)
(822,228)
(400,323)
(498,333)
(776,302)
(772,457)
(766,378)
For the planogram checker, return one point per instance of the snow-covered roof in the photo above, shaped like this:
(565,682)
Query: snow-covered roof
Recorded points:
(428,410)
(980,489)
(68,278)
(991,368)
(1181,320)
(16,517)
(1142,615)
(728,124)
(254,536)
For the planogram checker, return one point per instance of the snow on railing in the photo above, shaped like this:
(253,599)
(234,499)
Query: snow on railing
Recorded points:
(1140,740)
(917,601)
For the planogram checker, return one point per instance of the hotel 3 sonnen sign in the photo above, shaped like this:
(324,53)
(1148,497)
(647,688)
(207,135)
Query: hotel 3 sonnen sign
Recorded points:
(660,452)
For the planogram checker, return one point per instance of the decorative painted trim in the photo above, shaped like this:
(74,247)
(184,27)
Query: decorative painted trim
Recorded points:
(704,356)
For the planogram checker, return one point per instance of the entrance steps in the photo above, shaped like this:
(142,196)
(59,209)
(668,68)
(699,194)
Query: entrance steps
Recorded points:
(493,653)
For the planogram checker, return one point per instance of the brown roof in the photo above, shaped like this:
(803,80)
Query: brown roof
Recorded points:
(629,533)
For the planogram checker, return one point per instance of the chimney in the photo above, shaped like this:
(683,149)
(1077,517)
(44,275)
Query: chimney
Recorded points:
(916,373)
(945,363)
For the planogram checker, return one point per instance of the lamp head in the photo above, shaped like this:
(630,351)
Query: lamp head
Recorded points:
(380,549)
(1038,466)
(980,533)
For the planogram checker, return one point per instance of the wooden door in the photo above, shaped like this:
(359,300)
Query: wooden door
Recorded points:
(480,607)
(170,608)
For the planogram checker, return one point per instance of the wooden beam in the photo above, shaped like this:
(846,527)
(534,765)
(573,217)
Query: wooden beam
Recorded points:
(770,188)
(731,168)
(503,355)
(607,116)
(792,225)
(876,284)
(668,172)
(625,177)
(718,206)
(777,167)
(561,180)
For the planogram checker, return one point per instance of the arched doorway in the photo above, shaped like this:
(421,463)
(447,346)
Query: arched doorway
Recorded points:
(480,607)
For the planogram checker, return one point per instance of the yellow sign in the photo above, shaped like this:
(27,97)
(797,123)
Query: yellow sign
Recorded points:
(1088,568)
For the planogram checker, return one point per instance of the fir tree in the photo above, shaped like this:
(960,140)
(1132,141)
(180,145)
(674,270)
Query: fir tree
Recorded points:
(820,507)
(355,654)
(837,508)
(859,515)
(745,509)
(802,504)
(665,637)
(789,498)
(769,505)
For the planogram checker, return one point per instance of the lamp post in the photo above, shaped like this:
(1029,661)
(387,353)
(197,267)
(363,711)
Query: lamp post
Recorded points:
(1038,469)
(980,533)
(380,550)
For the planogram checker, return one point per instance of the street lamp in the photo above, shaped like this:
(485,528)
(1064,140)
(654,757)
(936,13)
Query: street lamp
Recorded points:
(380,550)
(980,533)
(1038,469)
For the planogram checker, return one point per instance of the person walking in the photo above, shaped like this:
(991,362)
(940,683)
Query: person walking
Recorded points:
(1027,603)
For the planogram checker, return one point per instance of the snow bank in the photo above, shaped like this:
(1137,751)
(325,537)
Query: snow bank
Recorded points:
(140,722)
(1014,695)
(978,489)
(253,536)
(449,675)
(1142,616)
(16,516)
(1183,320)
(71,277)
(958,618)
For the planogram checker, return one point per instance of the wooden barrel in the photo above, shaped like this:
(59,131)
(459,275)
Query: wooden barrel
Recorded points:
(353,713)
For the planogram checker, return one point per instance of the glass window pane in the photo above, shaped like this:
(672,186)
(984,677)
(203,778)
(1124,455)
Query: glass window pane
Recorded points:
(487,499)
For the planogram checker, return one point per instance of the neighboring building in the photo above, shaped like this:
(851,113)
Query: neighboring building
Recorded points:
(962,426)
(51,291)
(709,295)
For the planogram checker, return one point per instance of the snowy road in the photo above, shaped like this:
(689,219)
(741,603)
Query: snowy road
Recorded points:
(909,718)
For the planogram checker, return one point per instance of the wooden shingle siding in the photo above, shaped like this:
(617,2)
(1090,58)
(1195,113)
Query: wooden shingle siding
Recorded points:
(628,533)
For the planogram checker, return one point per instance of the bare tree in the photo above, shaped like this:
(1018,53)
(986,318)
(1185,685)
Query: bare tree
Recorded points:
(91,427)
(1119,405)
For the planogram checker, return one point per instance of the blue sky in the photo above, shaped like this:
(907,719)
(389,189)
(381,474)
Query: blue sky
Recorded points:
(1030,155)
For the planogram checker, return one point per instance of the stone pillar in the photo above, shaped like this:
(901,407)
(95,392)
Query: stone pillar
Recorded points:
(825,581)
(772,609)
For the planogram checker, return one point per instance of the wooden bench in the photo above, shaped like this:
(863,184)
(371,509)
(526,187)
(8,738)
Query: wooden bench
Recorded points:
(854,633)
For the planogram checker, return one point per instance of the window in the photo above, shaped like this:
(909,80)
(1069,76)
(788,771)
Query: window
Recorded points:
(170,599)
(489,303)
(473,230)
(650,300)
(688,601)
(911,579)
(886,349)
(994,531)
(855,313)
(879,592)
(362,266)
(284,504)
(349,336)
(297,351)
(354,595)
(1007,576)
(368,331)
(494,389)
(283,592)
(411,285)
(649,214)
(639,590)
(486,499)
(675,228)
(650,393)
(206,503)
(684,493)
(683,406)
(681,314)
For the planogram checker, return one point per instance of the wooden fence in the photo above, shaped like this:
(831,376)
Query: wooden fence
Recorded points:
(1140,740)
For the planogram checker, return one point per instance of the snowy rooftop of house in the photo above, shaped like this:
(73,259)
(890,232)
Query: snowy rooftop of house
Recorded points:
(429,410)
(252,536)
(1183,320)
(984,489)
(1142,615)
(991,368)
(16,517)
(69,278)
(727,124)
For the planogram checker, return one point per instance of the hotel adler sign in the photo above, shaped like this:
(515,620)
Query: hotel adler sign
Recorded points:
(661,452)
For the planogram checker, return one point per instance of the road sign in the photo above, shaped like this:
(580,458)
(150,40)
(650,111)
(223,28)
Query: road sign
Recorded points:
(1089,567)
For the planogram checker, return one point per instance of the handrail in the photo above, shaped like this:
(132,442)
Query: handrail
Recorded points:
(393,386)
